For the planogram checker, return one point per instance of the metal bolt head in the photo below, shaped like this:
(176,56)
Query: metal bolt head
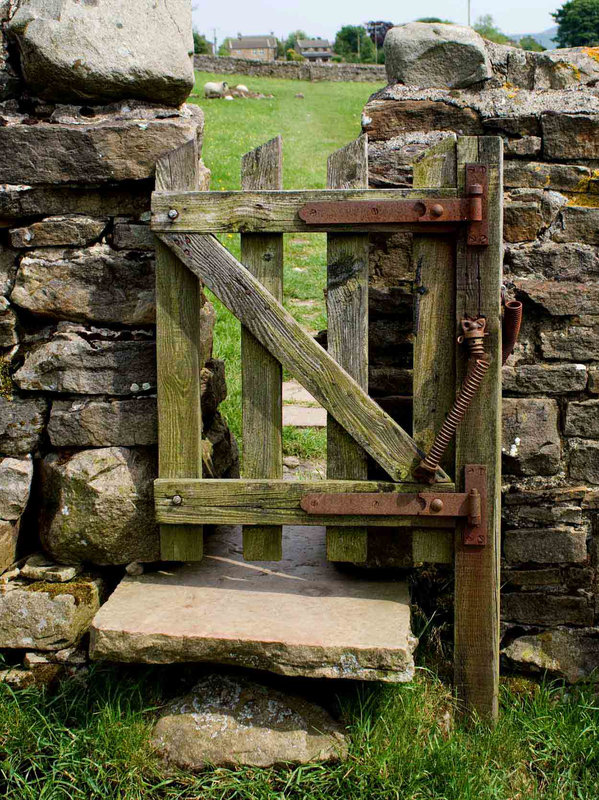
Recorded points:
(437,210)
(173,213)
(436,505)
(177,500)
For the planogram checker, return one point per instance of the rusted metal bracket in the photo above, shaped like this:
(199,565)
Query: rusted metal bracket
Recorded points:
(469,504)
(470,209)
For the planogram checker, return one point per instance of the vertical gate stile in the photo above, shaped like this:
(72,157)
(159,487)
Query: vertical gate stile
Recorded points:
(478,442)
(434,335)
(262,254)
(347,334)
(179,358)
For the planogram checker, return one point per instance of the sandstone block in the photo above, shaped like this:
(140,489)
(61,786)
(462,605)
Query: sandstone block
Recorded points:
(21,424)
(531,443)
(531,578)
(566,262)
(584,460)
(128,236)
(564,653)
(525,147)
(538,379)
(385,119)
(575,342)
(582,419)
(579,224)
(8,324)
(570,136)
(559,177)
(98,507)
(72,363)
(97,284)
(8,267)
(390,259)
(16,475)
(425,54)
(47,616)
(39,568)
(560,298)
(94,51)
(18,201)
(9,534)
(522,221)
(540,608)
(59,232)
(233,721)
(390,162)
(594,380)
(116,145)
(545,545)
(92,422)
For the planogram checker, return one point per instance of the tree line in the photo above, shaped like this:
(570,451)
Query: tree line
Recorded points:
(578,26)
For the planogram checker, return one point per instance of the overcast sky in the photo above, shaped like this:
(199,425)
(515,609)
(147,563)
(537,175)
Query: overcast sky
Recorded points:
(325,17)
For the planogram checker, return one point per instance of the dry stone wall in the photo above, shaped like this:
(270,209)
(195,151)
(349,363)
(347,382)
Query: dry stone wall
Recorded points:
(546,108)
(292,70)
(78,421)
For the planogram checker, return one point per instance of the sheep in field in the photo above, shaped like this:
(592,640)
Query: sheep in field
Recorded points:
(213,89)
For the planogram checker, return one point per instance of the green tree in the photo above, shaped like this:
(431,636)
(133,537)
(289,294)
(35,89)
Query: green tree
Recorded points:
(530,43)
(293,55)
(578,23)
(435,19)
(224,49)
(485,25)
(353,43)
(291,40)
(200,43)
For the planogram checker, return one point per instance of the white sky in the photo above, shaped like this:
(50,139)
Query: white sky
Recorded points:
(325,17)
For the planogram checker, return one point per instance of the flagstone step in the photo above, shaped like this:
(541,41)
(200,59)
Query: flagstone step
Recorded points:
(299,616)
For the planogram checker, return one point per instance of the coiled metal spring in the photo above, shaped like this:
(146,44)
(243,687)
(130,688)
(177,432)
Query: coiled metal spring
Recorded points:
(430,463)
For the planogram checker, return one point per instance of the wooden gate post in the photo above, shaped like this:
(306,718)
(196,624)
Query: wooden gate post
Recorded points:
(347,334)
(478,441)
(261,373)
(178,355)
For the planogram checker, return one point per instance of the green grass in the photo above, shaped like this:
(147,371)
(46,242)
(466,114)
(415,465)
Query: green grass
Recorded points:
(312,128)
(91,740)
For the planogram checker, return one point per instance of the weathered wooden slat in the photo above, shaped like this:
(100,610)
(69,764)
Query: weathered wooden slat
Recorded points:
(178,302)
(478,272)
(435,333)
(261,374)
(265,211)
(263,502)
(347,337)
(298,352)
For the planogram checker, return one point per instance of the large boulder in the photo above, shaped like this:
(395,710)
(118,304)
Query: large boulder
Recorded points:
(101,51)
(425,54)
(98,506)
(231,721)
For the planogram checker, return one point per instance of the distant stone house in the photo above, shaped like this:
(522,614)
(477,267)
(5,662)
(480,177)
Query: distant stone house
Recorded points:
(318,50)
(254,48)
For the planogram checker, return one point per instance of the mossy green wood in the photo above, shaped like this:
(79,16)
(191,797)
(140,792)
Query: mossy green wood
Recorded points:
(435,329)
(347,337)
(278,331)
(261,374)
(478,441)
(178,303)
(266,211)
(265,502)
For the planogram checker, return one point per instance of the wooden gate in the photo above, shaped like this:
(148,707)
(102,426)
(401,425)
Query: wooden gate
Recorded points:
(455,212)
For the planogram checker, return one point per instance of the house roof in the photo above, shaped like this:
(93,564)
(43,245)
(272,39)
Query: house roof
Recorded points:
(324,44)
(252,42)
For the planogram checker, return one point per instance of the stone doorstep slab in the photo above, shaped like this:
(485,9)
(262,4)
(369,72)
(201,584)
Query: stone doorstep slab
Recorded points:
(304,417)
(299,616)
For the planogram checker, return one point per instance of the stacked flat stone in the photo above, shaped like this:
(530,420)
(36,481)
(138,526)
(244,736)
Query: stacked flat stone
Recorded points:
(88,107)
(446,81)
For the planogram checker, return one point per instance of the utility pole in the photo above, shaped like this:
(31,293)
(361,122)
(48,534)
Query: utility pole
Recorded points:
(214,34)
(469,1)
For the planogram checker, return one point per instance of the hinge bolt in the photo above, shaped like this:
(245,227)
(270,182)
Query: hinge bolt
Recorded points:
(173,213)
(436,505)
(437,210)
(177,500)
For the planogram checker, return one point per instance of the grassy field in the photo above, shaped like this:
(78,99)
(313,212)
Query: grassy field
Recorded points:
(91,742)
(327,118)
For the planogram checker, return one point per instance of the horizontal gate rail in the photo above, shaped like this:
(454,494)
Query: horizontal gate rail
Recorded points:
(264,502)
(278,331)
(279,212)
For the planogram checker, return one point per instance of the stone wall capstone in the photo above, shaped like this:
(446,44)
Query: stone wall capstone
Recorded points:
(545,106)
